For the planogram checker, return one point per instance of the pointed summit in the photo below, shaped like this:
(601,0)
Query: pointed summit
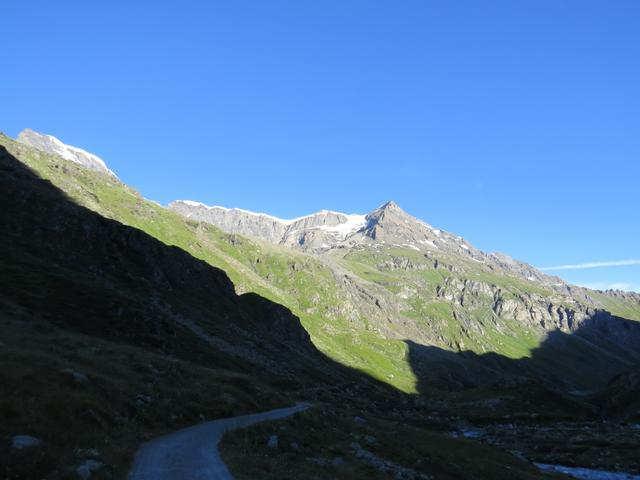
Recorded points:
(390,205)
(389,210)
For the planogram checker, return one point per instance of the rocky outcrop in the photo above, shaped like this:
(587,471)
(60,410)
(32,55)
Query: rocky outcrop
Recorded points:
(318,231)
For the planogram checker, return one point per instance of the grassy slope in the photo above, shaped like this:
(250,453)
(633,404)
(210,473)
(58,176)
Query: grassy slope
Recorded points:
(298,281)
(622,307)
(35,353)
(107,411)
(512,340)
(319,444)
(308,287)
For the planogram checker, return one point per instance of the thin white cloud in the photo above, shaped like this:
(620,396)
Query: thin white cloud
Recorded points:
(577,266)
(627,287)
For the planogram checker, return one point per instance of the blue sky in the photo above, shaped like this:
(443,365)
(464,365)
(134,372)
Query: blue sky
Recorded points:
(514,124)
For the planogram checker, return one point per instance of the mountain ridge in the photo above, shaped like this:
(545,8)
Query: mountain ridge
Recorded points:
(439,330)
(360,300)
(387,224)
(50,144)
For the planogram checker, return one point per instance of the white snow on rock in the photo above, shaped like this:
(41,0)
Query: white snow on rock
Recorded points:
(353,224)
(354,221)
(50,144)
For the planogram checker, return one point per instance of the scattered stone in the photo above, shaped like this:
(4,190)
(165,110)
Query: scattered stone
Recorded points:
(85,470)
(323,462)
(371,440)
(24,441)
(76,376)
(87,453)
(396,471)
(359,420)
(143,400)
(472,433)
(273,441)
(295,445)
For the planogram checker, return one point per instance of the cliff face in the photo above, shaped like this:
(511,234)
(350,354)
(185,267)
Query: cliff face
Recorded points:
(318,231)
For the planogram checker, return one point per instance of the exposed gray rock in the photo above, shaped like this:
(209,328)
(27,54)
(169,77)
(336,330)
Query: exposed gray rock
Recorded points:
(87,453)
(86,469)
(20,442)
(143,400)
(386,226)
(317,231)
(50,144)
(76,376)
(397,471)
(273,441)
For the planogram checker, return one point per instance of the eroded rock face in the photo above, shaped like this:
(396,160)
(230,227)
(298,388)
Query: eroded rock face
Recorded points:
(386,226)
(319,231)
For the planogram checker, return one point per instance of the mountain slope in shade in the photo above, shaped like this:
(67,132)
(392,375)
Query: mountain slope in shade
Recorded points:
(381,284)
(50,144)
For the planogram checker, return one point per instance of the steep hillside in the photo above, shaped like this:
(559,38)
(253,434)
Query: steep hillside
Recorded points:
(407,279)
(373,284)
(122,320)
(109,336)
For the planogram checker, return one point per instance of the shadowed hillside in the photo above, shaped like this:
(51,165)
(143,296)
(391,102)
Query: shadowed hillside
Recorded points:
(110,336)
(108,333)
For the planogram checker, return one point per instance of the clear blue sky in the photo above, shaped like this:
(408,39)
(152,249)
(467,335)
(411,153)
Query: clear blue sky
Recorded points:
(513,123)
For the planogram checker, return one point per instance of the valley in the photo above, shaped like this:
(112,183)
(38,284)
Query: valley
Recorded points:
(390,327)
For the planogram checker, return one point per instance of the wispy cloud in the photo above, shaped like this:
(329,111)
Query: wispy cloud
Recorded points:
(627,287)
(577,266)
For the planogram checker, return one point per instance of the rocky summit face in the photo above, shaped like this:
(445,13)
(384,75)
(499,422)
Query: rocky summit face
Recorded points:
(50,144)
(388,226)
(315,232)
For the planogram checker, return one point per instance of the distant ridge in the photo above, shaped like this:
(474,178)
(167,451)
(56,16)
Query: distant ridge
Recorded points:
(50,144)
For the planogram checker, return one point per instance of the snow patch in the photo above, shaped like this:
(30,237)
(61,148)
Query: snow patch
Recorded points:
(351,222)
(71,153)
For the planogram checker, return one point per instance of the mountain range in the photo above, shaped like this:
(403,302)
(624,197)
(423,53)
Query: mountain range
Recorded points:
(379,313)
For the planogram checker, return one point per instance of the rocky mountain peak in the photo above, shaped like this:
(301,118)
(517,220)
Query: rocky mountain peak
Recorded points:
(390,205)
(390,210)
(50,144)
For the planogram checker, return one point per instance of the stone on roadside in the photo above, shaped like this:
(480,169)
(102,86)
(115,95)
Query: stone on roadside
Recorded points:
(24,441)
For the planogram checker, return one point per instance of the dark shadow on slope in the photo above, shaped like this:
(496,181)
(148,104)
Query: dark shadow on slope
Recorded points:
(69,266)
(99,277)
(565,370)
(96,276)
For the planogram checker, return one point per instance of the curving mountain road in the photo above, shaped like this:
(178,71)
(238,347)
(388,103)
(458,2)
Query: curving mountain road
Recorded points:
(192,453)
